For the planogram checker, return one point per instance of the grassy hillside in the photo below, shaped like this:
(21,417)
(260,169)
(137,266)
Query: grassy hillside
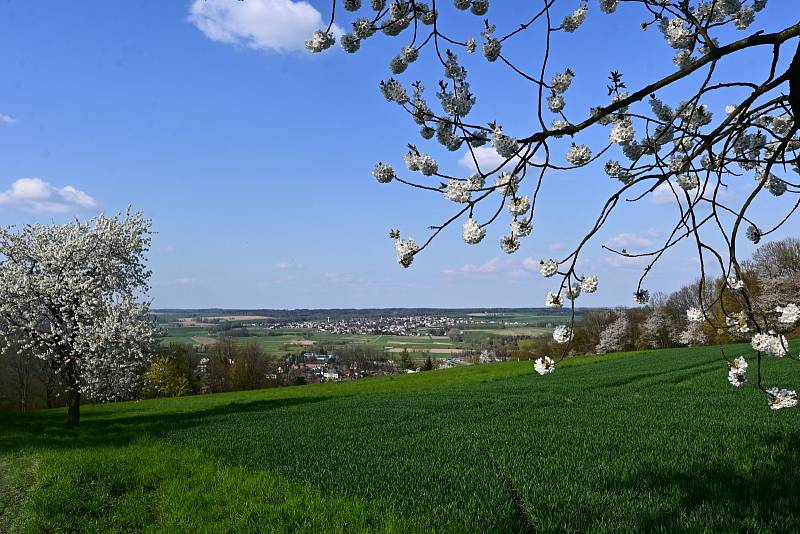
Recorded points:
(648,441)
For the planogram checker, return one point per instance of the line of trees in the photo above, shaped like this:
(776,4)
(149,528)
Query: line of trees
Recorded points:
(227,366)
(772,274)
(29,383)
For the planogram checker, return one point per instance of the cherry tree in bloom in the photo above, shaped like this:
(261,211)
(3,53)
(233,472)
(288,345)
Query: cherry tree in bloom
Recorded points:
(70,294)
(652,143)
(612,339)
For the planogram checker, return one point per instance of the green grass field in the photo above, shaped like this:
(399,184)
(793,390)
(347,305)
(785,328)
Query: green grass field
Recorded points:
(654,441)
(531,331)
(284,341)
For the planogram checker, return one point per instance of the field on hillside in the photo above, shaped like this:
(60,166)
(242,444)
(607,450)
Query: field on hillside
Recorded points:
(531,331)
(283,341)
(654,441)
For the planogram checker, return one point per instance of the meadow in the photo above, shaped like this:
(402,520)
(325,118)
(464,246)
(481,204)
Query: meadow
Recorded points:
(280,342)
(648,441)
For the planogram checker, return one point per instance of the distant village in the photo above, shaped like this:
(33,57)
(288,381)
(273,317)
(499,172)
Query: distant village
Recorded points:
(413,325)
(329,358)
(311,368)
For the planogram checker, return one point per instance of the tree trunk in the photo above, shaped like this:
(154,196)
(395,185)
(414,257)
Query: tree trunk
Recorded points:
(24,381)
(73,395)
(51,383)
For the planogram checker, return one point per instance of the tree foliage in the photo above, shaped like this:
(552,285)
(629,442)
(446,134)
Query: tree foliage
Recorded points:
(163,378)
(69,295)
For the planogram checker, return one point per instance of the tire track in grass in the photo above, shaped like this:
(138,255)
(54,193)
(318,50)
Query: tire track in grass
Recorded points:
(17,478)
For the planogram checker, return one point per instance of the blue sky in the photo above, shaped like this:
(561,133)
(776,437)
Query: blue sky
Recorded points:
(253,158)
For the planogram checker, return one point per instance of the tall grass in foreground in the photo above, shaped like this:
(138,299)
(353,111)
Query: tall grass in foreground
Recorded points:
(625,442)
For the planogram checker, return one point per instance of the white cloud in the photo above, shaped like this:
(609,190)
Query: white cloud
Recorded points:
(664,194)
(530,264)
(7,119)
(626,239)
(489,267)
(276,25)
(36,195)
(641,240)
(488,159)
(344,279)
(615,260)
(285,265)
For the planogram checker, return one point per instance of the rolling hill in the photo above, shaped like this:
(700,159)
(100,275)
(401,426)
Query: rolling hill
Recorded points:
(650,441)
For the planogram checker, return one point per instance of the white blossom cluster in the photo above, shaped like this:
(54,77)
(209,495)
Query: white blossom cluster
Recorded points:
(555,103)
(67,295)
(554,300)
(573,21)
(770,343)
(695,315)
(622,131)
(509,244)
(688,181)
(561,81)
(492,46)
(472,232)
(506,146)
(457,191)
(521,228)
(677,33)
(559,124)
(775,185)
(734,283)
(753,234)
(476,182)
(737,372)
(574,291)
(519,205)
(693,335)
(789,314)
(608,6)
(738,323)
(320,41)
(406,248)
(579,155)
(544,365)
(613,168)
(507,184)
(562,334)
(548,268)
(782,398)
(458,101)
(421,162)
(130,334)
(393,91)
(384,173)
(589,284)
